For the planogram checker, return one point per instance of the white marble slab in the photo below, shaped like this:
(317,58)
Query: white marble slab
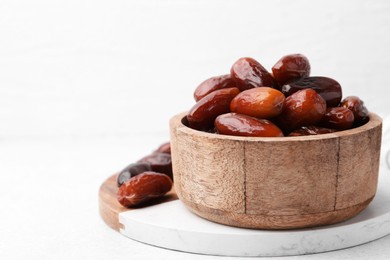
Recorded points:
(171,225)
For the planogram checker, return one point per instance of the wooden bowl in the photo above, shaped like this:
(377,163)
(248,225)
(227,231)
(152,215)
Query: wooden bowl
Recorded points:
(276,182)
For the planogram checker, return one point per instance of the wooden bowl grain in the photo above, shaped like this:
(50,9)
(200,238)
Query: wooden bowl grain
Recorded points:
(276,182)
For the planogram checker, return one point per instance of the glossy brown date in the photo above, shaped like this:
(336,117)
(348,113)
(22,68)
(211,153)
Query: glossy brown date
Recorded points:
(305,107)
(328,88)
(243,125)
(359,110)
(132,170)
(261,102)
(159,162)
(203,113)
(212,84)
(143,188)
(339,118)
(311,130)
(291,67)
(249,73)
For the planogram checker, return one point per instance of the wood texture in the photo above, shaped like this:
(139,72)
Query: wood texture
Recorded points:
(358,166)
(286,180)
(222,187)
(276,183)
(273,222)
(109,207)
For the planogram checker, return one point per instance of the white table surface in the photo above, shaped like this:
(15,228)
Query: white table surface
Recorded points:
(88,86)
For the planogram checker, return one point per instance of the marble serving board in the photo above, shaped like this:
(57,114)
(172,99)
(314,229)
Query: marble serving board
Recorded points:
(171,225)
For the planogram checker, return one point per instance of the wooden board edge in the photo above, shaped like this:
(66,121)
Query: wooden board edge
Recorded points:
(109,207)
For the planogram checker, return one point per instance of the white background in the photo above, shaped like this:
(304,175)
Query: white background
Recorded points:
(87,87)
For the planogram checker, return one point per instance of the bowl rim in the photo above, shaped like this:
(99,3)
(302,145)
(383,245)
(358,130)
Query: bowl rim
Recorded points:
(177,120)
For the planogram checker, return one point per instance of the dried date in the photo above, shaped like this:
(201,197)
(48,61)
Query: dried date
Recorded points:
(261,102)
(291,67)
(243,125)
(329,89)
(339,118)
(159,162)
(311,130)
(359,110)
(203,113)
(132,170)
(249,73)
(213,84)
(164,148)
(304,107)
(142,188)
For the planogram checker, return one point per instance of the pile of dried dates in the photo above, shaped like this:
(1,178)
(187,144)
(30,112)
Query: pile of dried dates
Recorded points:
(147,179)
(250,101)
